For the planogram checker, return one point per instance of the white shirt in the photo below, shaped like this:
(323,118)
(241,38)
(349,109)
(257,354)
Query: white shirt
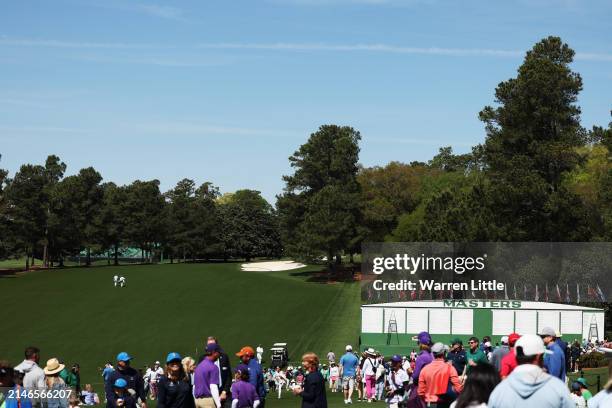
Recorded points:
(369,366)
(396,381)
(115,278)
(578,400)
(259,350)
(334,372)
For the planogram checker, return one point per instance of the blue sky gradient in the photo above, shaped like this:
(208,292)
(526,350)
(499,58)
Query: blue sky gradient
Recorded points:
(225,91)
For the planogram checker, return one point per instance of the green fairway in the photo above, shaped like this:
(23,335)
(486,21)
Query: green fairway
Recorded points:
(76,314)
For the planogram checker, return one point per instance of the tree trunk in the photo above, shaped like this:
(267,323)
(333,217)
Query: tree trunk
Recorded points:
(330,261)
(141,255)
(116,254)
(351,259)
(88,263)
(45,255)
(27,265)
(184,255)
(61,262)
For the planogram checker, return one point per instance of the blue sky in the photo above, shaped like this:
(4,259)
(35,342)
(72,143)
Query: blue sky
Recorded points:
(225,91)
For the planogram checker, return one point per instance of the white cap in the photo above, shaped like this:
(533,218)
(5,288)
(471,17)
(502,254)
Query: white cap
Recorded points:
(531,345)
(157,362)
(504,339)
(349,347)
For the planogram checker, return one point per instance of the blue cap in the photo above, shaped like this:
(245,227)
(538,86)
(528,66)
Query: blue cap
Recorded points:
(123,356)
(120,383)
(396,358)
(173,357)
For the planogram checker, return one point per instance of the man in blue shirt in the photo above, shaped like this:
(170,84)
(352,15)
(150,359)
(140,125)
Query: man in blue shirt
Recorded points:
(108,369)
(348,370)
(555,362)
(246,355)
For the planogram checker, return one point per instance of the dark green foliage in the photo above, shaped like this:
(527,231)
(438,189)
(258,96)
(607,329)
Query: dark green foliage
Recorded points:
(320,210)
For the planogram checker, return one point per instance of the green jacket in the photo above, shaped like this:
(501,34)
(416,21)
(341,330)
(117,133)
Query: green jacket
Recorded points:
(479,357)
(69,377)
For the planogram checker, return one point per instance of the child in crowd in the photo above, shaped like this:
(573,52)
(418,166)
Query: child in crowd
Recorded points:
(121,398)
(243,392)
(88,396)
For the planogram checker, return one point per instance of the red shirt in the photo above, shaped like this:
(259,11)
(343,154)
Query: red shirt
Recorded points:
(508,364)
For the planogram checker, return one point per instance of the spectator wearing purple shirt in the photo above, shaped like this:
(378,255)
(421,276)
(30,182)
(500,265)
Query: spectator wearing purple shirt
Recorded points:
(243,392)
(424,357)
(206,380)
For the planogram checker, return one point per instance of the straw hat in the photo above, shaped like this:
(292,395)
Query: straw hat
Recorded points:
(371,352)
(53,366)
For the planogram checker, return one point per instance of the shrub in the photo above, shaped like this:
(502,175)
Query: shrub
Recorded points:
(593,360)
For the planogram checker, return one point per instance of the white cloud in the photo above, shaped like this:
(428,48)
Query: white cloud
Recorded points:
(288,46)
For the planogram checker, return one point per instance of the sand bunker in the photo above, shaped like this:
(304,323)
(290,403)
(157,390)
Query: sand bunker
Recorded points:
(271,266)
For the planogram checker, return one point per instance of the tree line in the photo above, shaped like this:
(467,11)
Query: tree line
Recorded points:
(51,217)
(539,175)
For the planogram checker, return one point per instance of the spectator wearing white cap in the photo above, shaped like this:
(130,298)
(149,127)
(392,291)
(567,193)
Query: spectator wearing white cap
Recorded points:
(529,385)
(499,353)
(348,370)
(554,362)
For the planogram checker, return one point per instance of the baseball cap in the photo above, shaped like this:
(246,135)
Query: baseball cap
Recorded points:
(348,347)
(245,351)
(531,345)
(512,338)
(123,356)
(212,347)
(576,386)
(173,356)
(120,383)
(157,362)
(582,381)
(438,348)
(424,338)
(504,339)
(243,368)
(548,331)
(396,358)
(457,341)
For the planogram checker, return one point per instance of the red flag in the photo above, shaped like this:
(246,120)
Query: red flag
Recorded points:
(413,295)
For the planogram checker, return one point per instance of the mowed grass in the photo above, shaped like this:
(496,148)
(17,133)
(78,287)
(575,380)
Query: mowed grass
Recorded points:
(76,314)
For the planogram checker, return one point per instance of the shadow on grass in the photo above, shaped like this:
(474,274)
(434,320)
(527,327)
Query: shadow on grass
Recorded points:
(342,273)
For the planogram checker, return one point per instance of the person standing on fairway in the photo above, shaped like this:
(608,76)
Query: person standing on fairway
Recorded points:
(260,352)
(243,392)
(134,381)
(225,373)
(122,281)
(34,378)
(313,392)
(115,280)
(207,380)
(246,355)
(529,385)
(474,354)
(348,369)
(174,388)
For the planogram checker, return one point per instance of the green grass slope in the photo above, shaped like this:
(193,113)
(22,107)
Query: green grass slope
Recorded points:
(76,314)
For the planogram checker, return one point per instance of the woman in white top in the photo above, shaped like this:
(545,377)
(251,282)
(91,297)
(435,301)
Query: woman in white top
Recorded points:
(334,374)
(370,364)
